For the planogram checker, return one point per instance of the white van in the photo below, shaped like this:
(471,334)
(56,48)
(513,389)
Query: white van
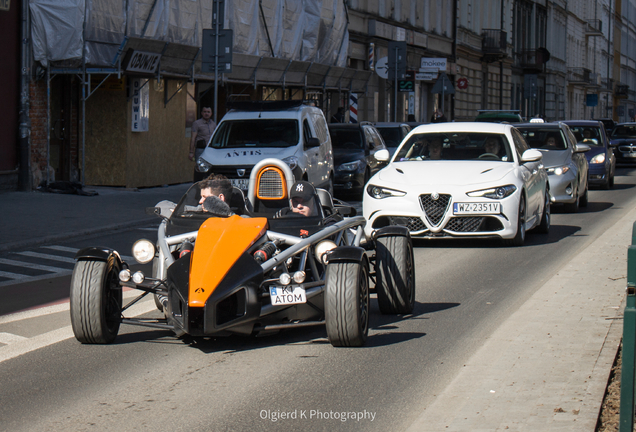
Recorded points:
(251,131)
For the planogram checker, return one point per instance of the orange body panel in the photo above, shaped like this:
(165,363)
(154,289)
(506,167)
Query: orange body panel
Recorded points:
(220,242)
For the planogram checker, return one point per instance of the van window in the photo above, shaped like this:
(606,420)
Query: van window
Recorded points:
(321,128)
(306,131)
(256,133)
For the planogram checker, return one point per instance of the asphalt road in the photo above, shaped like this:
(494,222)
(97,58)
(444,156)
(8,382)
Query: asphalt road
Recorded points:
(148,380)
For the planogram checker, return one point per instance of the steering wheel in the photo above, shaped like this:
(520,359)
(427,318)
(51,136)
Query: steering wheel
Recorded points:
(488,156)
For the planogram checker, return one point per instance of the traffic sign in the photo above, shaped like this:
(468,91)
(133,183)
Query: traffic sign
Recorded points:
(208,51)
(443,85)
(397,59)
(382,67)
(462,83)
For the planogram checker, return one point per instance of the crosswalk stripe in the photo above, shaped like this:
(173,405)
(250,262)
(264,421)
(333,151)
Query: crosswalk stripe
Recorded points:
(31,265)
(47,256)
(61,248)
(9,338)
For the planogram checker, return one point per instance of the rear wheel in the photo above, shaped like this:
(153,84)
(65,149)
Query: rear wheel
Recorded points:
(520,237)
(96,301)
(611,181)
(395,275)
(544,225)
(347,303)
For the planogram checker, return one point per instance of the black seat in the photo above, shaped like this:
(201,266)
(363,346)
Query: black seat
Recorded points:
(237,202)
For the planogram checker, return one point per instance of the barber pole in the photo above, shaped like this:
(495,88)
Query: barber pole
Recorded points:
(371,56)
(353,108)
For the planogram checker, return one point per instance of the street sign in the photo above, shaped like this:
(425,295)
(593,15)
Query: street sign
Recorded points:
(397,59)
(591,100)
(462,83)
(208,51)
(382,67)
(406,86)
(443,85)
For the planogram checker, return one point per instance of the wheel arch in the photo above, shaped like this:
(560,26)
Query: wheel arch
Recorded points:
(347,254)
(98,253)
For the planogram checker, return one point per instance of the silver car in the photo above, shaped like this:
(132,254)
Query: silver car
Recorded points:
(564,160)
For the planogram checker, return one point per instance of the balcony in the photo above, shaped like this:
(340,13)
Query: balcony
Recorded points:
(594,27)
(579,76)
(534,60)
(494,42)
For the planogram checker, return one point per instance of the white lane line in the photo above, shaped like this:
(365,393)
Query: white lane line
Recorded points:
(31,265)
(21,347)
(60,248)
(25,278)
(148,229)
(14,276)
(47,256)
(9,338)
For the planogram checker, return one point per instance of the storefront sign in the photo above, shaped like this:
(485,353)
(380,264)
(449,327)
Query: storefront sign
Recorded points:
(5,5)
(426,76)
(433,63)
(144,62)
(140,104)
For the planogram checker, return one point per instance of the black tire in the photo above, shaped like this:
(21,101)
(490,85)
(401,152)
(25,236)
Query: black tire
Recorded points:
(584,198)
(611,181)
(96,301)
(347,303)
(544,225)
(572,207)
(395,275)
(520,237)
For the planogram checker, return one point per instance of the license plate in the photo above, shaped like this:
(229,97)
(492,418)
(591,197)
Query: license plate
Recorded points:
(477,208)
(287,295)
(240,183)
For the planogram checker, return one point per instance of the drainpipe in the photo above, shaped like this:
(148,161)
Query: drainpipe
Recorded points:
(24,128)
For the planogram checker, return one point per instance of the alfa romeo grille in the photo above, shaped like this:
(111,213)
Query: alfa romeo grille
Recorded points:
(412,223)
(465,224)
(434,209)
(270,185)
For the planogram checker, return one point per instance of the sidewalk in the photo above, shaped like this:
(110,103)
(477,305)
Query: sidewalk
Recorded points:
(31,218)
(546,367)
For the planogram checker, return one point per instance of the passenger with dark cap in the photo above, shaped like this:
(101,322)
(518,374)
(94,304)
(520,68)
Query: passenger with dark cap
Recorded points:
(303,201)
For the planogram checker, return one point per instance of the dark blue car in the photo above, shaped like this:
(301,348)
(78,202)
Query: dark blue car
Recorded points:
(601,155)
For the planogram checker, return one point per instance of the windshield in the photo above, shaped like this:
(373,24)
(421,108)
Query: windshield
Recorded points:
(345,138)
(456,146)
(256,133)
(590,135)
(623,131)
(392,136)
(544,138)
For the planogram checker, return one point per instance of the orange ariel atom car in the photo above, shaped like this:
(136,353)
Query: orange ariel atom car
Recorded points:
(250,272)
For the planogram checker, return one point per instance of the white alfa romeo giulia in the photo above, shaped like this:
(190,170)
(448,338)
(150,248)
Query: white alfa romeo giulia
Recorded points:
(461,180)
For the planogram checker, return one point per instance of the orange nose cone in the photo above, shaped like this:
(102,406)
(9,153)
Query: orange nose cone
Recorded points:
(220,242)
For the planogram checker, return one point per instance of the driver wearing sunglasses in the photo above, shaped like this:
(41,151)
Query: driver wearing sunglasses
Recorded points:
(302,200)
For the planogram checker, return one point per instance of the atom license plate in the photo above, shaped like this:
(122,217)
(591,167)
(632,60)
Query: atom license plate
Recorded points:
(287,295)
(240,183)
(476,208)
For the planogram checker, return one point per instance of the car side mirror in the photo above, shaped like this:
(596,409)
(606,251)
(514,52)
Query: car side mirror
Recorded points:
(313,142)
(381,155)
(581,148)
(531,155)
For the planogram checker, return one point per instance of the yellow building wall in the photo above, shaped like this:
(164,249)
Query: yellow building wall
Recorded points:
(116,156)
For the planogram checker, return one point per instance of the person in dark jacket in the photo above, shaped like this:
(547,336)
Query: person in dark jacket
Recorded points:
(303,201)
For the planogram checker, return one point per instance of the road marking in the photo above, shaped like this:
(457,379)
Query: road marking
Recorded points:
(9,338)
(27,345)
(60,248)
(31,265)
(47,256)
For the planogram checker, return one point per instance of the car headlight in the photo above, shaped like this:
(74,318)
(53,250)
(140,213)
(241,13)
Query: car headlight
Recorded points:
(143,251)
(379,192)
(202,166)
(560,170)
(352,166)
(598,159)
(494,193)
(292,161)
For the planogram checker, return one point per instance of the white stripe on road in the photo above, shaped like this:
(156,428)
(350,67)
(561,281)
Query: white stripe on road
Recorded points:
(60,248)
(24,278)
(31,265)
(47,256)
(9,338)
(25,346)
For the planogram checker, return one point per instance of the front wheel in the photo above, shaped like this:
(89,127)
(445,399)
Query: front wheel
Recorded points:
(96,301)
(520,237)
(544,225)
(347,303)
(584,198)
(395,275)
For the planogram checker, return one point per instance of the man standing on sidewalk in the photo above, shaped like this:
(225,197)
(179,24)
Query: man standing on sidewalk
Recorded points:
(201,132)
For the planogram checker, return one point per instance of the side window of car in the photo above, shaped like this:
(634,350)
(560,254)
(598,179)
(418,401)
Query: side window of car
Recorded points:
(306,131)
(378,142)
(405,132)
(520,143)
(368,139)
(320,126)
